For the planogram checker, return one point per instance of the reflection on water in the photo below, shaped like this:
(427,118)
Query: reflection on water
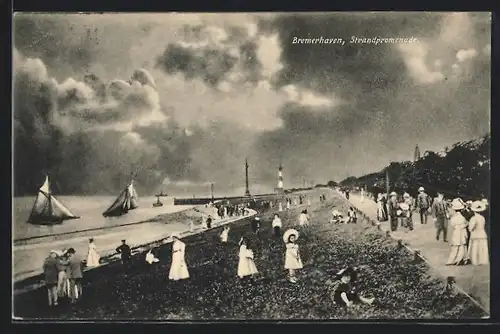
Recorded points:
(90,209)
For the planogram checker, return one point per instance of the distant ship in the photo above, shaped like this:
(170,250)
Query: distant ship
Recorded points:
(47,210)
(126,201)
(158,203)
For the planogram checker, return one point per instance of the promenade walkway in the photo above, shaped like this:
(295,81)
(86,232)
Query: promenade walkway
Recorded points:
(475,280)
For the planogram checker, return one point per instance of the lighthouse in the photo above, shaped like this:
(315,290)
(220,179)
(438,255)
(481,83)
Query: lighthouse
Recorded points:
(279,189)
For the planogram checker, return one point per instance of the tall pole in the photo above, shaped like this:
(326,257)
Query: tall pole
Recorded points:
(212,191)
(247,189)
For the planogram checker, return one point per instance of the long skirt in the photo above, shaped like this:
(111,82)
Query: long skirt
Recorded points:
(381,213)
(458,255)
(178,270)
(246,267)
(478,251)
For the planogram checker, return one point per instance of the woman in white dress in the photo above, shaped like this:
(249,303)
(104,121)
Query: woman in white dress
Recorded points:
(280,206)
(381,213)
(92,256)
(478,244)
(246,264)
(178,269)
(458,242)
(292,255)
(225,234)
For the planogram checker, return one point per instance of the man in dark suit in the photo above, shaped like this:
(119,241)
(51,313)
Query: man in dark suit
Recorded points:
(75,266)
(125,253)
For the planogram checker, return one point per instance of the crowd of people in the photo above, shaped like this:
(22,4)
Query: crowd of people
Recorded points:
(63,270)
(460,224)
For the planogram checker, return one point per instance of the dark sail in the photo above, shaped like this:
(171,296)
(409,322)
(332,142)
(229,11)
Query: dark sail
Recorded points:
(47,210)
(126,201)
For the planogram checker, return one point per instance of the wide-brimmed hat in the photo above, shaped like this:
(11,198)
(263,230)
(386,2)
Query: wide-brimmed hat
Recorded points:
(421,189)
(478,206)
(406,195)
(289,233)
(393,194)
(349,271)
(404,206)
(457,204)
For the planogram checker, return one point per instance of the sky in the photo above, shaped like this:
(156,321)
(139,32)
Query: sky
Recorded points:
(181,99)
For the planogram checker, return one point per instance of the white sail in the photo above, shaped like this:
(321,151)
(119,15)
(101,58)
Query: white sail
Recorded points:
(47,209)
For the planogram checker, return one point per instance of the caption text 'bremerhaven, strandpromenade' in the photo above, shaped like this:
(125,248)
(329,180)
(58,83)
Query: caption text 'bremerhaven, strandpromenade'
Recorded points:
(355,40)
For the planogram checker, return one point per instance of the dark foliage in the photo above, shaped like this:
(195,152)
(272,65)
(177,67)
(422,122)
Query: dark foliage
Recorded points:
(402,289)
(463,170)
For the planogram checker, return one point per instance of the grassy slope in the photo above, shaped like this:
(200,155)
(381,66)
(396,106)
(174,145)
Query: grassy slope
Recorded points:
(403,289)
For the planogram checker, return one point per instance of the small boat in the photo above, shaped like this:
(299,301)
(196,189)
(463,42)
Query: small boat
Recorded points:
(158,202)
(126,201)
(47,210)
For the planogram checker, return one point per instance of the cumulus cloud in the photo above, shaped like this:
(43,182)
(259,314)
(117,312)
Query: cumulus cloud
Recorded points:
(73,131)
(225,87)
(415,59)
(463,55)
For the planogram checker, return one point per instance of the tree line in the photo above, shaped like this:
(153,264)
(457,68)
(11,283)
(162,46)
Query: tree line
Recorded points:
(462,170)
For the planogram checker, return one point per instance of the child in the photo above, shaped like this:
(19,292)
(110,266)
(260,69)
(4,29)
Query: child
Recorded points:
(150,257)
(277,224)
(351,214)
(225,234)
(304,219)
(292,255)
(346,293)
(246,264)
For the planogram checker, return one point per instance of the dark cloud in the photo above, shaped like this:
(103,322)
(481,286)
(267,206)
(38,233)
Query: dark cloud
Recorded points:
(209,64)
(387,111)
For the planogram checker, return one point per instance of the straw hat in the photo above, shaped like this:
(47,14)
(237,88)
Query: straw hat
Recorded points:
(406,195)
(457,204)
(393,194)
(478,206)
(404,206)
(421,189)
(485,201)
(289,233)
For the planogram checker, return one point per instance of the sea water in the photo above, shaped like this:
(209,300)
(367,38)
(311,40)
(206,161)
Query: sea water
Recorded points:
(90,209)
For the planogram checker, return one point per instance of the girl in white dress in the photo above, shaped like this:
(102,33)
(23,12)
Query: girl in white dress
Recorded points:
(178,269)
(92,256)
(292,255)
(304,219)
(246,264)
(225,234)
(478,244)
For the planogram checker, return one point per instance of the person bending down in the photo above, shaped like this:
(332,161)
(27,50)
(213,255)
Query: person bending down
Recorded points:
(346,293)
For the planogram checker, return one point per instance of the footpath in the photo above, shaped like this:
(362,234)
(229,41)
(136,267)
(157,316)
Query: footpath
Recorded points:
(474,280)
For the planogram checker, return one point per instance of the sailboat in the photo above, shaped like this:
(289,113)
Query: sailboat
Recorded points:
(47,210)
(126,201)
